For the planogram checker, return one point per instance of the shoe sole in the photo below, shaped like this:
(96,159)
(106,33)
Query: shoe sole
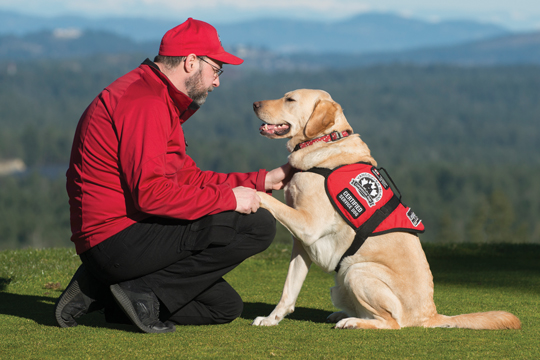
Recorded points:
(69,294)
(126,305)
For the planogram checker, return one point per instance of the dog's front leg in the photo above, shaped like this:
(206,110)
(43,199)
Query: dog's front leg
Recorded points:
(298,221)
(298,269)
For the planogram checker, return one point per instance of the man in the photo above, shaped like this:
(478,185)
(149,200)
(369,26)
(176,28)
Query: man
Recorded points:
(155,233)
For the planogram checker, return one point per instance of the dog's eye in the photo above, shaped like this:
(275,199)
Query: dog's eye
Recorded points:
(289,99)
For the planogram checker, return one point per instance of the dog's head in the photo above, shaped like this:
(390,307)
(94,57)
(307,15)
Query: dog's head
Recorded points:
(300,115)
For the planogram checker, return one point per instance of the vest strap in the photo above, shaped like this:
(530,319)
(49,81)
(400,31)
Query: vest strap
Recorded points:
(369,226)
(321,171)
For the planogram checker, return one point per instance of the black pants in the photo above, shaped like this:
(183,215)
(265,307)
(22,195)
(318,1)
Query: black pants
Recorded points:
(183,262)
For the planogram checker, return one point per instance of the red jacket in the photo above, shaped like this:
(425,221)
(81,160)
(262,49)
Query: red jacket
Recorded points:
(129,161)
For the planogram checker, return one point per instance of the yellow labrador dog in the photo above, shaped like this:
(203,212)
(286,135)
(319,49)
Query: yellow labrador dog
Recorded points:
(387,283)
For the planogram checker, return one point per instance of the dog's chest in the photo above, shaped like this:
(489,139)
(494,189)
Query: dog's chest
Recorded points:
(329,236)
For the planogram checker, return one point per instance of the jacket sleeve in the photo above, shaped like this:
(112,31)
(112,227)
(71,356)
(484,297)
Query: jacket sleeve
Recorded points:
(191,174)
(164,180)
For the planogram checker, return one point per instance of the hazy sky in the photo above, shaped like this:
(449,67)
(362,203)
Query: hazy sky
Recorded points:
(514,14)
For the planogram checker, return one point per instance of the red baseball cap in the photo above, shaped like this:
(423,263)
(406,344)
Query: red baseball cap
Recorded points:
(196,37)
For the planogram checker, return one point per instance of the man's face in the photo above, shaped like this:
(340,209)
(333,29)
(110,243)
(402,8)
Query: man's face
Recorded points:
(201,83)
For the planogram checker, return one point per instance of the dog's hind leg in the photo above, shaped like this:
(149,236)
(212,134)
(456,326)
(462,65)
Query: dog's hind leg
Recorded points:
(341,299)
(372,318)
(375,304)
(356,323)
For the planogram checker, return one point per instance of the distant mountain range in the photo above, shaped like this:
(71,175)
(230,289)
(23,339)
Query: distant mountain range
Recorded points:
(62,43)
(281,44)
(501,50)
(365,33)
(361,34)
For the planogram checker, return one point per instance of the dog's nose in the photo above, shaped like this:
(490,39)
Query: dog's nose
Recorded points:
(257,105)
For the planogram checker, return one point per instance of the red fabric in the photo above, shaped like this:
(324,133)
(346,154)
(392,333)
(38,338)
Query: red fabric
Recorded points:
(129,161)
(358,190)
(196,37)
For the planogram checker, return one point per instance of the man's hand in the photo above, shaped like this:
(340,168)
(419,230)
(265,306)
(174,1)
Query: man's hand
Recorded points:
(276,179)
(247,200)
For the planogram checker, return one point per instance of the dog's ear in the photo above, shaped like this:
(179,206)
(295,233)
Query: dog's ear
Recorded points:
(323,117)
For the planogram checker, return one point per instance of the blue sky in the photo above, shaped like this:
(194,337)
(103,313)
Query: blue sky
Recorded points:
(514,14)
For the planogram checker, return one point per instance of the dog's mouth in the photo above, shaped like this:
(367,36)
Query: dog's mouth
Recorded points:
(274,129)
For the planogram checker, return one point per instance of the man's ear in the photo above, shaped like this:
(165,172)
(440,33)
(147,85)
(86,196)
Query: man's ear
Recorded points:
(323,117)
(191,63)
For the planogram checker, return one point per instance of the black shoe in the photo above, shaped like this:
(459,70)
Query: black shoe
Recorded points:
(77,299)
(142,308)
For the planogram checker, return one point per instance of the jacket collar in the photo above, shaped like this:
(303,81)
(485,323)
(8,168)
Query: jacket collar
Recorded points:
(185,105)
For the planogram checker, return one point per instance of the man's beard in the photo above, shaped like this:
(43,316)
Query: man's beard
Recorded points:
(195,89)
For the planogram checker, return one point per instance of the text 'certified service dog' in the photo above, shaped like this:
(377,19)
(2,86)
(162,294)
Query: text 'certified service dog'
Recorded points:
(344,216)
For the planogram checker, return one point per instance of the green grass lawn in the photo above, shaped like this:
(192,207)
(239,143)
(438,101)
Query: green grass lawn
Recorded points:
(468,278)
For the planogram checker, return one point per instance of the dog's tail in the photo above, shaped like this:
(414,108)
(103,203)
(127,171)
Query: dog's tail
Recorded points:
(491,320)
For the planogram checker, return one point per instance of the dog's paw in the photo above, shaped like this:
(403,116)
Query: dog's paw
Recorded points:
(347,323)
(265,321)
(337,316)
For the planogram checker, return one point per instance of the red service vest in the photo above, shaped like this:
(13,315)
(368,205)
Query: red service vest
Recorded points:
(357,191)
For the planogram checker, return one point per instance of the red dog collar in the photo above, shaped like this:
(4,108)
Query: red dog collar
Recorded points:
(333,136)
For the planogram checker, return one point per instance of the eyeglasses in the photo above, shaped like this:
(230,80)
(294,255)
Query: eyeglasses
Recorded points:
(217,71)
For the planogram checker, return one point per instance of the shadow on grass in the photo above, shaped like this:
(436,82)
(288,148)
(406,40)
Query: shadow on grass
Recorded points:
(41,310)
(252,310)
(36,308)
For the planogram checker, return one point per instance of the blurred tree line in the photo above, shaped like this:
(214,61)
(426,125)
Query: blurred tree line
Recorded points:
(462,144)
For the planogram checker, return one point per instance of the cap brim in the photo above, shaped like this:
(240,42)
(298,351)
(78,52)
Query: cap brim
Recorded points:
(226,58)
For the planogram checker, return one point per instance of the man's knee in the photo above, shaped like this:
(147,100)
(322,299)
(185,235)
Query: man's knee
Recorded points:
(230,309)
(260,226)
(220,304)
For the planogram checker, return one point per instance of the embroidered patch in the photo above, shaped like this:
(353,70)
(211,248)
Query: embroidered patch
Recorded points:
(415,220)
(350,203)
(368,187)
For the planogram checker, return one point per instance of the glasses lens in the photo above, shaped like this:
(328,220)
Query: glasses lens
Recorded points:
(217,71)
